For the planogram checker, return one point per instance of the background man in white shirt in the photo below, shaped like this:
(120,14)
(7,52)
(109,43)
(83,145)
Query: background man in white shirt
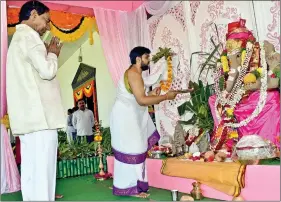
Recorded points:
(34,101)
(83,121)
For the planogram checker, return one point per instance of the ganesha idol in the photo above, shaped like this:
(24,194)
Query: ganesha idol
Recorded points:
(247,97)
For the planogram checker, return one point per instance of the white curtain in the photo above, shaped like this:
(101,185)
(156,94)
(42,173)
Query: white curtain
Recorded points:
(267,17)
(120,32)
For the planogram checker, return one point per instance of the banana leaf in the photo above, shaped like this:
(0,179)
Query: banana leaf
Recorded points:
(182,108)
(207,92)
(190,107)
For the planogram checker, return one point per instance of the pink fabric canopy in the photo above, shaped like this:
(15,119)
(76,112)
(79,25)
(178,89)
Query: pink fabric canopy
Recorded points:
(84,7)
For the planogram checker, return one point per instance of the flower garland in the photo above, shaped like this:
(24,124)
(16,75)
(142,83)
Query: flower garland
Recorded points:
(85,25)
(165,52)
(66,26)
(262,97)
(166,85)
(237,91)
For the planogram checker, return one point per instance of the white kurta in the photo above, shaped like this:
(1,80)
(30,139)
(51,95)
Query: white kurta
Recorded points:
(83,122)
(33,91)
(35,111)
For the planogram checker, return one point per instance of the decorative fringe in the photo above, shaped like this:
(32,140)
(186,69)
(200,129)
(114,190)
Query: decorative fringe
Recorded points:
(88,24)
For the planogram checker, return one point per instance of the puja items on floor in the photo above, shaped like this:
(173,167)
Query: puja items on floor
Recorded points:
(252,148)
(157,151)
(196,192)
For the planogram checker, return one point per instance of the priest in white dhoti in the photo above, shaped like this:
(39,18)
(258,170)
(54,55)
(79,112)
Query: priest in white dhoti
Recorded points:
(132,131)
(34,101)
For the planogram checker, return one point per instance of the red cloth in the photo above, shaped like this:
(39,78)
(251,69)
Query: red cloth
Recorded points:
(18,157)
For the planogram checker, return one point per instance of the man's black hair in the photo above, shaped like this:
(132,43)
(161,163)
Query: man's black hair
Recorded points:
(26,9)
(138,52)
(81,100)
(70,111)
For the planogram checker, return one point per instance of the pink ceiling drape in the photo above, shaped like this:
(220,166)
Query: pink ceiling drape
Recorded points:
(10,178)
(120,32)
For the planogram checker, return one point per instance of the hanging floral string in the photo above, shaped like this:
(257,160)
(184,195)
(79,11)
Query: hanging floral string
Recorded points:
(167,53)
(66,26)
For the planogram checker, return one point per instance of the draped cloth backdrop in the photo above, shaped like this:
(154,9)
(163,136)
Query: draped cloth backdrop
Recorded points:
(10,178)
(120,32)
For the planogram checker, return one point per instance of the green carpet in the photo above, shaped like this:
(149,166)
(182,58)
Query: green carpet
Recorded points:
(86,188)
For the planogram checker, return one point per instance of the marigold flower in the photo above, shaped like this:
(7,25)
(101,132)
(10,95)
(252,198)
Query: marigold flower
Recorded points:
(250,78)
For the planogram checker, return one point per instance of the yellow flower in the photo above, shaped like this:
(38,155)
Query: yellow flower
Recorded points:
(224,63)
(98,138)
(229,111)
(5,121)
(233,135)
(259,70)
(250,78)
(243,56)
(165,85)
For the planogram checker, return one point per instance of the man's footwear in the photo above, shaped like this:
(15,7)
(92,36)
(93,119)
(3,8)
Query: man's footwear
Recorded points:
(58,196)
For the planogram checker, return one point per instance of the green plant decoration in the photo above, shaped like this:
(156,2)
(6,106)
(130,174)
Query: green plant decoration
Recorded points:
(211,58)
(62,136)
(106,141)
(74,149)
(163,52)
(198,105)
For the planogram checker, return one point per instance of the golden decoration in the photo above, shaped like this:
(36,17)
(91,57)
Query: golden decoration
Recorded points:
(98,138)
(5,121)
(232,45)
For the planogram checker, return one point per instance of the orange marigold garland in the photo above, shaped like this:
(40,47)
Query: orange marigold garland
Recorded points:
(66,26)
(166,85)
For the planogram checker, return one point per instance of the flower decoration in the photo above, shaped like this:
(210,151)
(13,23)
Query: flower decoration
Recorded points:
(224,61)
(166,85)
(229,112)
(165,52)
(233,135)
(5,121)
(66,26)
(98,138)
(243,56)
(259,70)
(250,78)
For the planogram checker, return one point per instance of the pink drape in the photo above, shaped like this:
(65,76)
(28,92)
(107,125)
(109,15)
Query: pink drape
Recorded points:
(10,178)
(120,32)
(266,124)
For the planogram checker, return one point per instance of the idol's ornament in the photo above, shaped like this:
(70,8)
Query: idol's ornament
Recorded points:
(241,79)
(98,138)
(68,27)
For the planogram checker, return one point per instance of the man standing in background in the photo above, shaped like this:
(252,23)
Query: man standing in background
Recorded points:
(83,122)
(70,129)
(38,114)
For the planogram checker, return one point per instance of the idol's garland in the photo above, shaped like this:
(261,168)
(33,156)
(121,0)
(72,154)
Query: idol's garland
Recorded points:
(238,90)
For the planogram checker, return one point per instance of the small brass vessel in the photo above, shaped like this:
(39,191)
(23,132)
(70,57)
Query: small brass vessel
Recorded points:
(196,192)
